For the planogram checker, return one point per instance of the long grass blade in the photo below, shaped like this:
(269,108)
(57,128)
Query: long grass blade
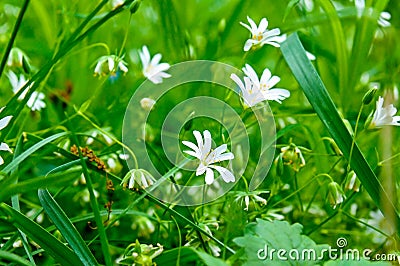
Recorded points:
(318,96)
(60,252)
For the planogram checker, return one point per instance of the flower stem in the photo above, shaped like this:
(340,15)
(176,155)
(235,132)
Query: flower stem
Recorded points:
(354,137)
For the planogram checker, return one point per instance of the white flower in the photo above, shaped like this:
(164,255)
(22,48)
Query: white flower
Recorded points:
(383,19)
(208,157)
(384,116)
(18,58)
(110,64)
(35,102)
(3,123)
(260,35)
(138,179)
(152,69)
(147,103)
(100,135)
(17,83)
(308,5)
(266,83)
(250,94)
(116,3)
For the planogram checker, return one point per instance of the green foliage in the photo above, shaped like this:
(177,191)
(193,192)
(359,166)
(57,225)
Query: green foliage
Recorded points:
(263,236)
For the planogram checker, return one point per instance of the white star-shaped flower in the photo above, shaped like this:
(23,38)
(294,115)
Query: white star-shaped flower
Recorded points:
(152,68)
(261,35)
(266,83)
(251,95)
(384,116)
(208,157)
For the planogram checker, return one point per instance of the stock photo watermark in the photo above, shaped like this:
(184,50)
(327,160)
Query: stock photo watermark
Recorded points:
(341,252)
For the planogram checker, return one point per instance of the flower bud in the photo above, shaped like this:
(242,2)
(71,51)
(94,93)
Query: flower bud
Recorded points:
(292,155)
(147,103)
(369,96)
(335,194)
(134,6)
(138,179)
(18,59)
(352,182)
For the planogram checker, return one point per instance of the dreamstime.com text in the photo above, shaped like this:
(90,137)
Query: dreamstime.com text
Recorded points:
(340,253)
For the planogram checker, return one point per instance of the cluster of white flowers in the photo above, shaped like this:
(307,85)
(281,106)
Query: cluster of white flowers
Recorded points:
(152,68)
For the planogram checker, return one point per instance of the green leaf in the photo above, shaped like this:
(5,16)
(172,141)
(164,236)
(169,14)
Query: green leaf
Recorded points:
(263,236)
(14,164)
(60,252)
(360,262)
(53,180)
(8,256)
(66,228)
(318,96)
(187,256)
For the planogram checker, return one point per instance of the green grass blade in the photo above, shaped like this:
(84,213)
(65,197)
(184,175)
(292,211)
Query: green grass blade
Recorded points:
(8,256)
(54,180)
(340,43)
(14,164)
(67,229)
(318,96)
(60,252)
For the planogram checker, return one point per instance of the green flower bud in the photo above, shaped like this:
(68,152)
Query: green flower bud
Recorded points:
(352,182)
(134,6)
(369,96)
(335,194)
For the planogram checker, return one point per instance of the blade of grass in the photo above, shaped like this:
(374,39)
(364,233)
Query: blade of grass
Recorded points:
(340,44)
(60,252)
(15,200)
(14,164)
(66,228)
(13,36)
(8,256)
(55,180)
(95,206)
(318,96)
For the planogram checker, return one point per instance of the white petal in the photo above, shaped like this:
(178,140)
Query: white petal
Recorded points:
(263,25)
(190,145)
(4,147)
(209,176)
(226,175)
(237,80)
(248,45)
(266,75)
(251,73)
(252,24)
(155,60)
(1,160)
(4,121)
(199,139)
(207,143)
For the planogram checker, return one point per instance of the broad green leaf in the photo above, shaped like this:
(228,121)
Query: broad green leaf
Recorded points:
(360,262)
(66,228)
(187,256)
(56,249)
(8,256)
(318,96)
(262,237)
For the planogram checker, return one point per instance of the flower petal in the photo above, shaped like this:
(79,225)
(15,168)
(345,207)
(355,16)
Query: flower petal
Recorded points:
(226,175)
(209,179)
(4,121)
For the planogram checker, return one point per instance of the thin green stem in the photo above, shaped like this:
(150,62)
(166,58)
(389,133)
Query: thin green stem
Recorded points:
(126,36)
(13,36)
(354,137)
